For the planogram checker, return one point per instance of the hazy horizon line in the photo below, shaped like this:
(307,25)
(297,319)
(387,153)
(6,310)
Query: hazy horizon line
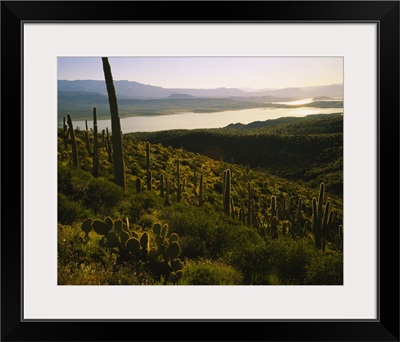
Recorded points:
(244,88)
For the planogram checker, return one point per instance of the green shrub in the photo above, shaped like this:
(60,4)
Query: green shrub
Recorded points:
(325,269)
(205,272)
(72,181)
(68,210)
(102,195)
(288,260)
(276,262)
(141,204)
(253,265)
(205,233)
(197,229)
(146,221)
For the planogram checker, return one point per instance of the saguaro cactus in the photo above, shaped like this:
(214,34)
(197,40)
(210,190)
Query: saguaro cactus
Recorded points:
(116,137)
(296,227)
(103,138)
(200,194)
(227,192)
(95,145)
(339,238)
(249,204)
(73,141)
(180,182)
(94,153)
(138,186)
(64,133)
(322,219)
(162,185)
(274,218)
(327,224)
(147,156)
(149,174)
(167,202)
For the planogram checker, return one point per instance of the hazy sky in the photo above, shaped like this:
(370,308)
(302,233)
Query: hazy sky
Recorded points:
(209,72)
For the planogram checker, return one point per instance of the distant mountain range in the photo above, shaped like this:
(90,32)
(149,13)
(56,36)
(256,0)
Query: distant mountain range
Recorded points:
(135,90)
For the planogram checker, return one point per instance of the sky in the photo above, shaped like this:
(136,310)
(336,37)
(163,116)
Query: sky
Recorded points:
(209,72)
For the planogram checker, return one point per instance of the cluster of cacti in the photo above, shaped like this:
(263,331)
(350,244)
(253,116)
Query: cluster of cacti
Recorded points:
(322,219)
(179,182)
(73,141)
(93,152)
(115,233)
(322,225)
(296,228)
(162,255)
(166,254)
(268,226)
(117,142)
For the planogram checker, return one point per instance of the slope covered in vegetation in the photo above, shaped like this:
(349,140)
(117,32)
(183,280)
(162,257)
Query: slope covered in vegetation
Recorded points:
(186,218)
(309,149)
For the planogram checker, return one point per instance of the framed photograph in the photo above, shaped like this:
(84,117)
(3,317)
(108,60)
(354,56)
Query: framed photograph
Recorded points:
(179,164)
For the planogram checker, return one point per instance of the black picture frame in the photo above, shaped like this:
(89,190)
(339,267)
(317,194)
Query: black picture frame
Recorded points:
(15,13)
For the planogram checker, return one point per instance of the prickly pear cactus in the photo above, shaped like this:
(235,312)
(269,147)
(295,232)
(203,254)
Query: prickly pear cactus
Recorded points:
(133,245)
(124,237)
(144,241)
(86,226)
(118,226)
(172,251)
(99,227)
(157,229)
(109,224)
(112,240)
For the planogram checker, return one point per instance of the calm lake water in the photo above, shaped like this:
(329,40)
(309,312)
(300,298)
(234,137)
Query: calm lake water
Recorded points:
(205,120)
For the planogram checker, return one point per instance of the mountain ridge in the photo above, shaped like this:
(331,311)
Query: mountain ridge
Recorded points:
(133,89)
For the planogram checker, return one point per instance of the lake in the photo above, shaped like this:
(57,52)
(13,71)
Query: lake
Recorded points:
(205,120)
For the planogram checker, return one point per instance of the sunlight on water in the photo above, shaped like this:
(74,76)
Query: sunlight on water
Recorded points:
(206,120)
(298,102)
(308,100)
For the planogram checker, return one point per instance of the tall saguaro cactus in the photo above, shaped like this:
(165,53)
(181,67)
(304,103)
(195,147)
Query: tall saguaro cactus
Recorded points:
(149,175)
(249,204)
(64,133)
(95,145)
(116,137)
(167,202)
(274,218)
(180,182)
(94,153)
(162,185)
(73,141)
(227,192)
(200,194)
